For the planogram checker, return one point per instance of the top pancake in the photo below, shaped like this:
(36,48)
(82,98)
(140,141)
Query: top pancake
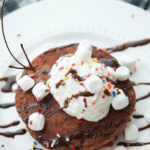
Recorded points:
(84,136)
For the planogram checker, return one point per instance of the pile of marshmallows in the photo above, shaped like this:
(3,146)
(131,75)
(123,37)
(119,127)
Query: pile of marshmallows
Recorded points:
(40,90)
(131,131)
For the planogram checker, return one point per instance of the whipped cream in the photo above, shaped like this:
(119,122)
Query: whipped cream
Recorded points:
(81,85)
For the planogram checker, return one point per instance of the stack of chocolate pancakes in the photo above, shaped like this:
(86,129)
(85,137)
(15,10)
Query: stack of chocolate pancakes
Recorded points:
(74,134)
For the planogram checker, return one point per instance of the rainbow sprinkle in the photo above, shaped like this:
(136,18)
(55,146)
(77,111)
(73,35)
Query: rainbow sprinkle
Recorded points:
(32,75)
(104,86)
(69,54)
(115,47)
(47,144)
(82,62)
(25,74)
(73,148)
(90,66)
(93,103)
(77,80)
(132,15)
(38,99)
(61,68)
(65,78)
(35,143)
(84,79)
(66,68)
(123,44)
(44,71)
(65,117)
(15,74)
(32,146)
(114,93)
(56,143)
(137,83)
(3,106)
(14,91)
(95,60)
(103,96)
(62,55)
(73,64)
(47,83)
(108,74)
(104,66)
(96,69)
(79,122)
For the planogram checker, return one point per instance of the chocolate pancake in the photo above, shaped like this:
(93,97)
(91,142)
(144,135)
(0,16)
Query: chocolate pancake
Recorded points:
(74,134)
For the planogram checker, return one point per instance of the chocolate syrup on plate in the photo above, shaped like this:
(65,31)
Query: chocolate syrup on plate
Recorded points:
(143,97)
(7,88)
(14,123)
(7,105)
(144,128)
(127,45)
(9,83)
(137,116)
(13,134)
(133,144)
(140,83)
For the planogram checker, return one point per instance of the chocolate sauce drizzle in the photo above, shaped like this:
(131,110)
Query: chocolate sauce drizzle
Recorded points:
(127,45)
(82,134)
(59,84)
(109,62)
(9,83)
(144,128)
(143,97)
(140,83)
(74,74)
(85,101)
(12,80)
(137,116)
(133,144)
(83,94)
(7,105)
(13,134)
(14,123)
(30,106)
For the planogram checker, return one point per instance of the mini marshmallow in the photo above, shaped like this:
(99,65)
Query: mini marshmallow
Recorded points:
(40,91)
(129,62)
(147,116)
(120,101)
(26,83)
(119,148)
(93,84)
(123,73)
(36,121)
(84,51)
(113,73)
(131,132)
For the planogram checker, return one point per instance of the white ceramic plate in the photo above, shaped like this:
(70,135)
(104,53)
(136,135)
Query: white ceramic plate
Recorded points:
(105,23)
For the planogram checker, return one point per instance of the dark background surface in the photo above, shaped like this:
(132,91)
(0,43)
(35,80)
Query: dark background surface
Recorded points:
(11,5)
